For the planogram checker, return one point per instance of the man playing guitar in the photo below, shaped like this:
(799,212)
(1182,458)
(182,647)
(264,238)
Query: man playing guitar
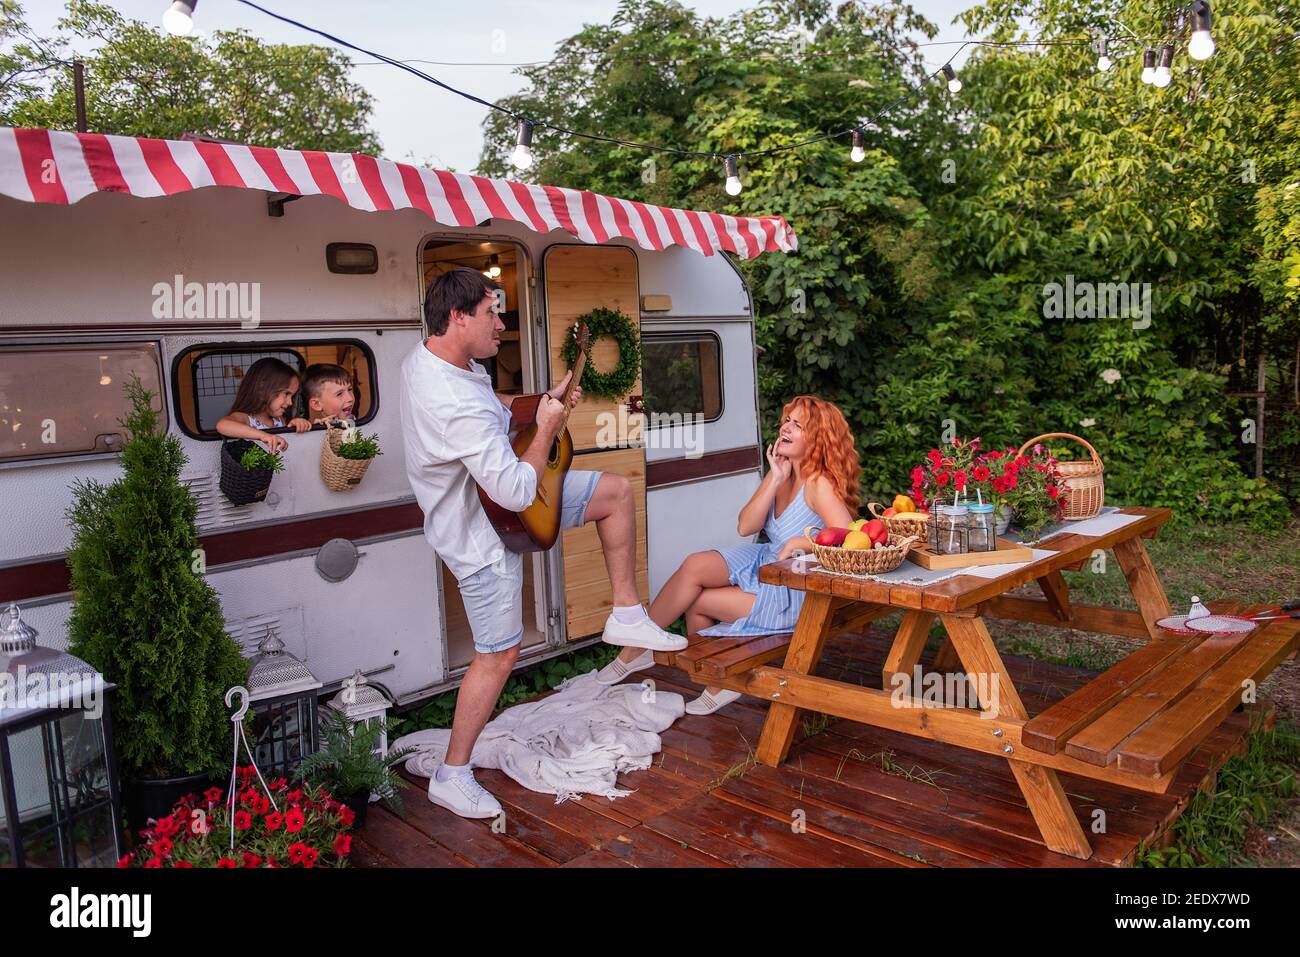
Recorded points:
(454,429)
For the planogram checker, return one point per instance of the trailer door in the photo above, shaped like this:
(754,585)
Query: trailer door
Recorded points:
(606,437)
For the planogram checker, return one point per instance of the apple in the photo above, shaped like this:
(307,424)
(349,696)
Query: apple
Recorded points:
(877,529)
(891,512)
(831,536)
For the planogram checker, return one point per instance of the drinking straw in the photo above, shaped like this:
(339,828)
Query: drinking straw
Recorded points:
(952,529)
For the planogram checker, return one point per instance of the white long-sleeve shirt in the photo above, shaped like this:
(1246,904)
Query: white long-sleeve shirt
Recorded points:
(455,432)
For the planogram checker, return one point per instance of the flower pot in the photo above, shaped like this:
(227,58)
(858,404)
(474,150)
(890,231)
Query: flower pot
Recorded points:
(358,804)
(242,486)
(154,798)
(1003,517)
(338,473)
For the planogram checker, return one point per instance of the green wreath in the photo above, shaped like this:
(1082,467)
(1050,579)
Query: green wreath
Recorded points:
(618,382)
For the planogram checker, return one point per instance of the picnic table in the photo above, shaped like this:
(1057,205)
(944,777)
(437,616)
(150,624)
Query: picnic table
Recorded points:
(1132,725)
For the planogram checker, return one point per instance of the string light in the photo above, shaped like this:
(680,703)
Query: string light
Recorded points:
(1148,65)
(954,84)
(493,270)
(178,19)
(858,153)
(522,157)
(1201,46)
(1104,62)
(733,176)
(1163,75)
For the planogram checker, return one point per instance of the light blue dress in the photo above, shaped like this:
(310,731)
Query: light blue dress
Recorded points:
(776,608)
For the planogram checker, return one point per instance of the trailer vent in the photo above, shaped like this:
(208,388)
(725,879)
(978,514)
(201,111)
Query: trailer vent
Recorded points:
(215,510)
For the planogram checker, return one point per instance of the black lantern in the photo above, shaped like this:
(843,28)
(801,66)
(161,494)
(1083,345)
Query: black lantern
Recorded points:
(282,692)
(59,800)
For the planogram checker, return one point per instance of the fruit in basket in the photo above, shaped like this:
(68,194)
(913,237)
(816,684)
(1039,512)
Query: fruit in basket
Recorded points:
(833,537)
(857,540)
(903,504)
(890,512)
(856,524)
(877,529)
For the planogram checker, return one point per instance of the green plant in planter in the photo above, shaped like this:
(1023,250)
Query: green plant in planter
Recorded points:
(360,448)
(142,613)
(347,763)
(258,458)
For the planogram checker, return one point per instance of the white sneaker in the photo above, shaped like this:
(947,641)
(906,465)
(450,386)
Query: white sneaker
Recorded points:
(463,795)
(618,669)
(642,634)
(708,703)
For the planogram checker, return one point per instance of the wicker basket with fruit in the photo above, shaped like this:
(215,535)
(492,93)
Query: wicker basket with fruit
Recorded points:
(902,518)
(868,549)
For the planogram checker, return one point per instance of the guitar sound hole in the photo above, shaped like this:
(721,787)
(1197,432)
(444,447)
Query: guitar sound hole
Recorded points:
(554,458)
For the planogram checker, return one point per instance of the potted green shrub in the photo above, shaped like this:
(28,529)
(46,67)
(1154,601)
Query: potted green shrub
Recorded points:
(143,616)
(349,766)
(345,454)
(247,470)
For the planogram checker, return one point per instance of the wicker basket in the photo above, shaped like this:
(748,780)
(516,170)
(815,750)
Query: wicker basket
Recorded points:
(242,486)
(1085,487)
(339,474)
(901,526)
(861,561)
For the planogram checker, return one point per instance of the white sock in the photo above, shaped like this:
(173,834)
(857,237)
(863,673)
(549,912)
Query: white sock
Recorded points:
(629,614)
(446,771)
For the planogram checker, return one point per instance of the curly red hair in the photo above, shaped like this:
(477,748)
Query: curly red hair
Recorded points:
(830,450)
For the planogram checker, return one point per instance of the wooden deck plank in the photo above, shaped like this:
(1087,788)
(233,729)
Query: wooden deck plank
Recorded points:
(642,847)
(472,841)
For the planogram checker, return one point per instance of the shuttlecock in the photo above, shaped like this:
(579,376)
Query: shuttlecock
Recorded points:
(1197,610)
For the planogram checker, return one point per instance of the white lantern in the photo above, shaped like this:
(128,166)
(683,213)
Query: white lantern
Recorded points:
(362,703)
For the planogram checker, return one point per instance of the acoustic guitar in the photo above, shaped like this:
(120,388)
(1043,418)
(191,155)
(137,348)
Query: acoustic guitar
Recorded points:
(536,528)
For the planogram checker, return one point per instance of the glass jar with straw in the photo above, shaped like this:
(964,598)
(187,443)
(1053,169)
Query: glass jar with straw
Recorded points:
(951,536)
(982,528)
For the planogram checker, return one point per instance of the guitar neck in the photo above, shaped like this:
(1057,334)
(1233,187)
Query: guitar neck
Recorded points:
(578,368)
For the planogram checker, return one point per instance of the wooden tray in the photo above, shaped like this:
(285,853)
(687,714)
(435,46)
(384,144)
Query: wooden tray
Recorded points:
(1007,551)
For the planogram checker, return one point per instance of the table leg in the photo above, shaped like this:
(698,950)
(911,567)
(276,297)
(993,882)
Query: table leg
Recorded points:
(1143,582)
(905,653)
(805,651)
(1057,593)
(1041,787)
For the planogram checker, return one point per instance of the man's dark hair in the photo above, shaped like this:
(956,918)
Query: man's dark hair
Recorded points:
(460,289)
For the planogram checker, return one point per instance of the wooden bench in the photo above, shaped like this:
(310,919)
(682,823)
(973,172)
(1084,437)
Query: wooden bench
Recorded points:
(1147,713)
(707,659)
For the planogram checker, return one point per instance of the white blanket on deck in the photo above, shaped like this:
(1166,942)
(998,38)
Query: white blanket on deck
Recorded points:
(571,743)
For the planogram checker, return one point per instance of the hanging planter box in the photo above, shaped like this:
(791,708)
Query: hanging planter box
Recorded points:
(341,474)
(242,486)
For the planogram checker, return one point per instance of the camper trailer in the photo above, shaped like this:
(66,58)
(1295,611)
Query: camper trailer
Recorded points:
(186,261)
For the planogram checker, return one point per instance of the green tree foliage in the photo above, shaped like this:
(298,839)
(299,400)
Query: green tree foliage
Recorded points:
(143,615)
(917,294)
(143,82)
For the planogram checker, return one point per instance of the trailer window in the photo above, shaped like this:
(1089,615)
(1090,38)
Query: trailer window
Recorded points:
(682,373)
(68,400)
(205,378)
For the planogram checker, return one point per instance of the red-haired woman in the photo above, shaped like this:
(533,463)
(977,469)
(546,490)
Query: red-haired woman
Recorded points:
(812,480)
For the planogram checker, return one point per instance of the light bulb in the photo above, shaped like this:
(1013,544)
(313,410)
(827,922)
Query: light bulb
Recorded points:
(858,153)
(1201,46)
(522,157)
(954,84)
(733,176)
(1148,66)
(1104,63)
(1164,75)
(178,19)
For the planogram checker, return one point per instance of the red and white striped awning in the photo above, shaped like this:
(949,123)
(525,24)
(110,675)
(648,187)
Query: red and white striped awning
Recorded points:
(46,166)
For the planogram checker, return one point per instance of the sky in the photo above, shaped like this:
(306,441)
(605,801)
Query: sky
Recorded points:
(416,121)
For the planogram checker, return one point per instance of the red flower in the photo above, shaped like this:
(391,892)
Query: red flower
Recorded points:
(274,820)
(1052,491)
(309,856)
(183,864)
(271,862)
(125,861)
(918,475)
(162,847)
(296,851)
(346,816)
(213,795)
(294,796)
(934,456)
(226,862)
(941,479)
(263,804)
(166,827)
(278,784)
(343,845)
(980,473)
(1012,481)
(243,820)
(245,774)
(251,859)
(248,798)
(154,862)
(294,819)
(959,480)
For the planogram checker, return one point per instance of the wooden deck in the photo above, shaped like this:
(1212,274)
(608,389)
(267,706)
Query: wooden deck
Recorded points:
(849,796)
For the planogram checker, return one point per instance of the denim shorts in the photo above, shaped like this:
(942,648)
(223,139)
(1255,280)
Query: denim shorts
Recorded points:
(494,595)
